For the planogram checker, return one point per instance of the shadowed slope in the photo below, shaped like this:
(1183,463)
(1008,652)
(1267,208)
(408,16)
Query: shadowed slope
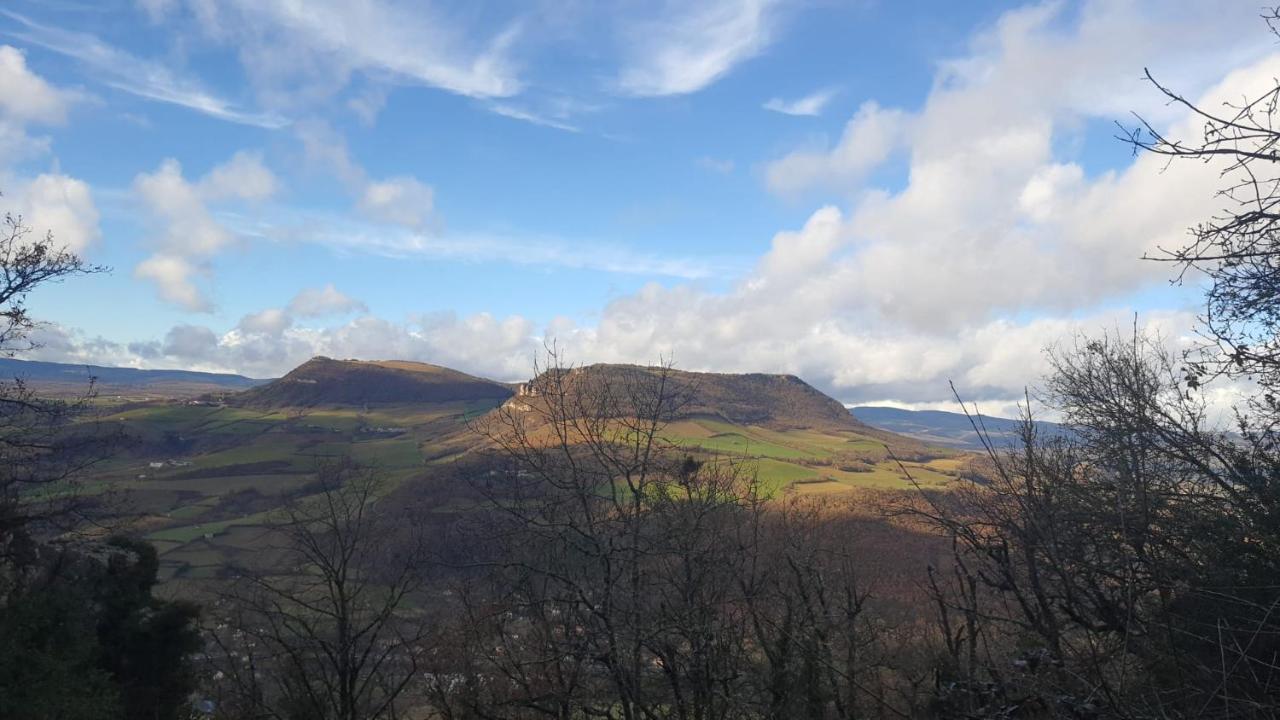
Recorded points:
(323,381)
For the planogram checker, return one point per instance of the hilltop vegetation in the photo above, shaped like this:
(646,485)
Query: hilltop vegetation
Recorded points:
(322,381)
(778,401)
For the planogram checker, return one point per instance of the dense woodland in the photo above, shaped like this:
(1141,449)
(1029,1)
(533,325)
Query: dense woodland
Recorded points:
(589,569)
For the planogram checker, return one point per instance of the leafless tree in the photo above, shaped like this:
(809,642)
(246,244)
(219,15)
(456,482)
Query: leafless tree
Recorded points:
(820,656)
(608,572)
(334,628)
(40,455)
(1238,250)
(609,557)
(1124,572)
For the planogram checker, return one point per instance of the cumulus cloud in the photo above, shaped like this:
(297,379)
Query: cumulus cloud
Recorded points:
(811,105)
(400,200)
(869,138)
(992,219)
(244,176)
(175,280)
(189,342)
(52,201)
(27,97)
(61,205)
(691,46)
(272,323)
(319,302)
(185,234)
(999,241)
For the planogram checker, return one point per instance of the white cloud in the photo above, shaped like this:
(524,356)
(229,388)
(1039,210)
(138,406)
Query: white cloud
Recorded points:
(368,103)
(186,224)
(693,45)
(186,234)
(519,113)
(27,97)
(156,10)
(345,234)
(272,323)
(285,45)
(810,105)
(869,138)
(175,280)
(60,205)
(319,302)
(144,78)
(243,176)
(189,342)
(999,241)
(400,200)
(51,201)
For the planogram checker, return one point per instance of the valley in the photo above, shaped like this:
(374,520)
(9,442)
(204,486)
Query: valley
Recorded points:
(201,477)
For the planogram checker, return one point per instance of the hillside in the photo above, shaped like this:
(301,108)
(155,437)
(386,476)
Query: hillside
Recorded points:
(204,477)
(774,401)
(324,382)
(948,428)
(67,378)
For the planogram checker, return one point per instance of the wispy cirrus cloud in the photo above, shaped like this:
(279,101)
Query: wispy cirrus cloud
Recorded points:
(518,113)
(408,43)
(811,105)
(686,50)
(129,73)
(354,236)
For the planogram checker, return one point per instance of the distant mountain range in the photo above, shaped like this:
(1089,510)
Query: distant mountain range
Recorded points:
(747,399)
(948,428)
(68,378)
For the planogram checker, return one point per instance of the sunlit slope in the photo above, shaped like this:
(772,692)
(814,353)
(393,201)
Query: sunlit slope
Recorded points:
(813,460)
(794,437)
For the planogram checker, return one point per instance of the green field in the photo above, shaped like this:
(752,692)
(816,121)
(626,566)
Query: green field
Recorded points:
(812,461)
(204,482)
(195,477)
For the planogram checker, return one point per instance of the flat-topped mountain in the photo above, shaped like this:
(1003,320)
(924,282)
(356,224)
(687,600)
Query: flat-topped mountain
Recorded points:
(742,399)
(323,381)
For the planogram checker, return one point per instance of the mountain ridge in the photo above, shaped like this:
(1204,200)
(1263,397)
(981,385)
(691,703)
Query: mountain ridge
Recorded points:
(323,381)
(778,400)
(74,378)
(950,429)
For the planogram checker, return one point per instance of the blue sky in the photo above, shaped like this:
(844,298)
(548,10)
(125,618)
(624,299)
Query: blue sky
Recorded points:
(877,196)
